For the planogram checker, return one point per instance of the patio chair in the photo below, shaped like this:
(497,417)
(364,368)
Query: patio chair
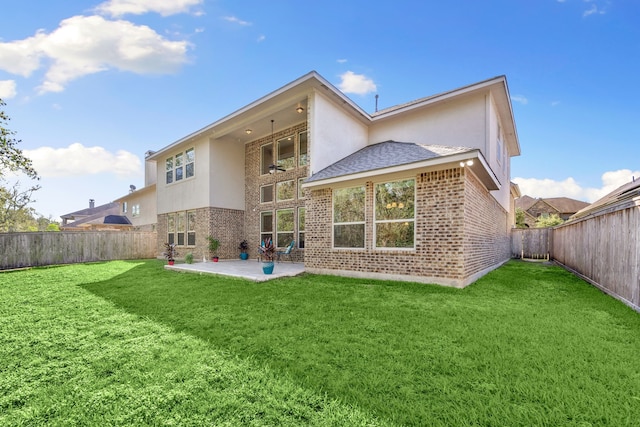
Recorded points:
(287,251)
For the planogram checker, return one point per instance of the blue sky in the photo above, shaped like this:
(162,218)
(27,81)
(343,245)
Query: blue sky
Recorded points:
(91,85)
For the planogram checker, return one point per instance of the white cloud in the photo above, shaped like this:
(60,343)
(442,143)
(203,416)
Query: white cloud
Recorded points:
(84,45)
(555,103)
(7,89)
(261,38)
(118,8)
(534,187)
(356,83)
(593,10)
(236,20)
(77,160)
(341,61)
(520,99)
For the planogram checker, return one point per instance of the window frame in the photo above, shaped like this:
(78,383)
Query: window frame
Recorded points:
(362,223)
(180,166)
(181,226)
(293,193)
(171,228)
(279,232)
(301,226)
(262,158)
(264,234)
(377,221)
(191,228)
(262,188)
(299,145)
(291,139)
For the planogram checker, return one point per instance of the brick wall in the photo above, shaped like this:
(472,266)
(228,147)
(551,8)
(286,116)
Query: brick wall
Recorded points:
(437,257)
(254,181)
(487,241)
(454,214)
(224,224)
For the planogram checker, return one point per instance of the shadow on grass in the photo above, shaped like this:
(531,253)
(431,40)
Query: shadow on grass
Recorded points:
(525,345)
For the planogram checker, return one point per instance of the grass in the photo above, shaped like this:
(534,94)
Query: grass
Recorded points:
(126,343)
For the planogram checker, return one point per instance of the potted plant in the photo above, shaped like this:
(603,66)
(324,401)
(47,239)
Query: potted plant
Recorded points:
(170,252)
(214,244)
(267,250)
(244,247)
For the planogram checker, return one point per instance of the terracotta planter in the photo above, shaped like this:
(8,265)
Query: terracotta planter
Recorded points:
(171,262)
(214,259)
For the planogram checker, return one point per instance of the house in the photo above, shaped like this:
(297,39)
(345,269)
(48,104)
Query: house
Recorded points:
(418,192)
(622,197)
(139,205)
(534,208)
(103,217)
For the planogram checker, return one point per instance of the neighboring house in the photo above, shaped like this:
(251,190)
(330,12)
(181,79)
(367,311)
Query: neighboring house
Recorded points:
(621,197)
(533,208)
(103,217)
(419,192)
(139,206)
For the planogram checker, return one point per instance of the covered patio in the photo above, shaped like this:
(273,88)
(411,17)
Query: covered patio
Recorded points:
(250,269)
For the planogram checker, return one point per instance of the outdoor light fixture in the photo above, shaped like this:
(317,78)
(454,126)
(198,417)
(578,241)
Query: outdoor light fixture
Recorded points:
(467,163)
(299,109)
(248,131)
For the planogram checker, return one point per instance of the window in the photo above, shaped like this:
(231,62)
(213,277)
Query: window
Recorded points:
(285,190)
(191,228)
(395,214)
(348,217)
(284,227)
(135,210)
(286,155)
(266,193)
(300,189)
(266,225)
(180,225)
(171,228)
(124,207)
(189,167)
(302,149)
(301,215)
(169,169)
(266,158)
(182,165)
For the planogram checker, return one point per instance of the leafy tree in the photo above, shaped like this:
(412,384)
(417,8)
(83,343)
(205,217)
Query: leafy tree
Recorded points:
(11,157)
(15,215)
(520,218)
(548,221)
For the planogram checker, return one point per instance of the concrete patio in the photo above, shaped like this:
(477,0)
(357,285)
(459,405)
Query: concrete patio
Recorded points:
(249,269)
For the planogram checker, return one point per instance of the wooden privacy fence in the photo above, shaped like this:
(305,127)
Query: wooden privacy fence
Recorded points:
(49,248)
(533,243)
(605,250)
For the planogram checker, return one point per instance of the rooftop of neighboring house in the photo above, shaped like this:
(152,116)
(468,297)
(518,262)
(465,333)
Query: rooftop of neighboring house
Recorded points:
(622,194)
(95,215)
(562,205)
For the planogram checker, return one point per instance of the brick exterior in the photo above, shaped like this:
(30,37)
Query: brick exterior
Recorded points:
(224,224)
(254,181)
(460,231)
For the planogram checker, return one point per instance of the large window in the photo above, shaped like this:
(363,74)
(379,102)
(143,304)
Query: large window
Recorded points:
(302,149)
(284,227)
(191,228)
(180,166)
(266,225)
(266,158)
(301,216)
(395,214)
(180,227)
(286,155)
(285,190)
(171,228)
(348,217)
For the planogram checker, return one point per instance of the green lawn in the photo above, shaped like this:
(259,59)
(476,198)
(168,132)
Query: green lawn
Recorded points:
(128,343)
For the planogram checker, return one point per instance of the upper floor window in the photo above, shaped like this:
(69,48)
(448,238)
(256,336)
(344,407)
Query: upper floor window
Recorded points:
(302,149)
(285,190)
(266,158)
(395,214)
(135,210)
(180,166)
(286,155)
(348,217)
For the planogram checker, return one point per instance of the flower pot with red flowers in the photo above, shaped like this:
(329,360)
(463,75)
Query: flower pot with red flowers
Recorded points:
(214,244)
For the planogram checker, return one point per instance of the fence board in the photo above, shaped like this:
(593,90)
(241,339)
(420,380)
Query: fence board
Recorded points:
(66,247)
(530,243)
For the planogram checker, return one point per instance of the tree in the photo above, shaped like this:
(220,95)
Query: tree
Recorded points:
(520,218)
(11,157)
(548,221)
(14,213)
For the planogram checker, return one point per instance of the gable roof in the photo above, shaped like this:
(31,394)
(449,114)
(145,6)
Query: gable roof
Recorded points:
(392,156)
(561,204)
(92,211)
(619,196)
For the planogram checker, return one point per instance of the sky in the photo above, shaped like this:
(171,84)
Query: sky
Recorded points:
(90,86)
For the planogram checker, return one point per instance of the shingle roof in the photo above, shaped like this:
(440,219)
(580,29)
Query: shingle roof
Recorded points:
(561,204)
(623,193)
(385,155)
